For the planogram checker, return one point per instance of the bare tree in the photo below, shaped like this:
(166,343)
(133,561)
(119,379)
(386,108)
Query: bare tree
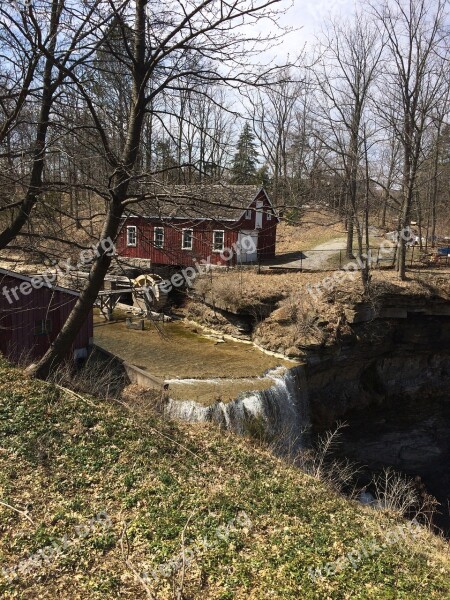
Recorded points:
(388,175)
(49,32)
(273,112)
(413,85)
(349,60)
(17,71)
(160,45)
(435,162)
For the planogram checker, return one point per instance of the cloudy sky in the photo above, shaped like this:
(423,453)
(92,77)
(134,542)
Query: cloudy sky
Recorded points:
(309,15)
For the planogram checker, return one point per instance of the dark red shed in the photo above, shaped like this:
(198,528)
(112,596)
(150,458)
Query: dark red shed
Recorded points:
(182,225)
(32,312)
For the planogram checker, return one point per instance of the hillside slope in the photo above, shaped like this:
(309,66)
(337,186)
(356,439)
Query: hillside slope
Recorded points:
(115,504)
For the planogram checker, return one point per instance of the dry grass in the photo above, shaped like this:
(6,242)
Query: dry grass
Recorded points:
(236,291)
(317,227)
(243,287)
(298,319)
(98,377)
(64,458)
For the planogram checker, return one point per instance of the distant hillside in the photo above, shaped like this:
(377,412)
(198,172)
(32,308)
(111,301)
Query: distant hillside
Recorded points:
(315,227)
(100,497)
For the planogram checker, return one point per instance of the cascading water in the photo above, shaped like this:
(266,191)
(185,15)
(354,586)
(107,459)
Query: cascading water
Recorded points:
(281,410)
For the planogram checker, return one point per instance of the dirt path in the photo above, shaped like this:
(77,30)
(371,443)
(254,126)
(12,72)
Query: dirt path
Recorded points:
(318,257)
(315,259)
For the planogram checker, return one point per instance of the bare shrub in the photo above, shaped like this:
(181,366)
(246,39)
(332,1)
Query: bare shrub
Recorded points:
(98,377)
(142,401)
(400,494)
(428,508)
(234,289)
(395,492)
(23,358)
(230,292)
(318,461)
(256,428)
(202,286)
(288,443)
(303,316)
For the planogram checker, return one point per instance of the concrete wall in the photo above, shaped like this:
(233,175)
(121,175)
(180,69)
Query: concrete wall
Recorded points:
(134,374)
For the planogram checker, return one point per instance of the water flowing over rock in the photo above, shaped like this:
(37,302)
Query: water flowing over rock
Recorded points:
(388,379)
(279,413)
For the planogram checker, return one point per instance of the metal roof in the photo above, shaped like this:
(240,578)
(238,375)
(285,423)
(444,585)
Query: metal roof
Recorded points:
(219,202)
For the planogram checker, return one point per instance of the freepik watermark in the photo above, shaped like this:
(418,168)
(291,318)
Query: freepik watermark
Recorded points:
(187,276)
(348,271)
(49,277)
(186,557)
(365,549)
(49,554)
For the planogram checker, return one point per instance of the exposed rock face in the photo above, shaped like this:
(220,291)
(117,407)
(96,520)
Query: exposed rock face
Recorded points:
(384,359)
(369,352)
(390,383)
(394,347)
(238,325)
(387,374)
(412,435)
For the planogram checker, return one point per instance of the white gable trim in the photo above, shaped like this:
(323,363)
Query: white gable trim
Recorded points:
(268,200)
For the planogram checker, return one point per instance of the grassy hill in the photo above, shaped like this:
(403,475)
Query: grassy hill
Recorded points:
(116,503)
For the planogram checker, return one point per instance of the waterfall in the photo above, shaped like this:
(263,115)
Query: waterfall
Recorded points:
(279,412)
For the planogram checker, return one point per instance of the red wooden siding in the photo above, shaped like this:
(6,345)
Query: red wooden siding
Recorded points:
(172,252)
(18,320)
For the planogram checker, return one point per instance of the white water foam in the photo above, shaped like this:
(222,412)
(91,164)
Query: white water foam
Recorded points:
(282,408)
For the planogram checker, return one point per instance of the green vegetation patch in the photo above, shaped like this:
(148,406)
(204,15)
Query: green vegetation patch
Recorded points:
(99,501)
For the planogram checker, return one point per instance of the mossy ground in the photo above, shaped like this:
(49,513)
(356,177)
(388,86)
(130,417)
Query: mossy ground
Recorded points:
(64,458)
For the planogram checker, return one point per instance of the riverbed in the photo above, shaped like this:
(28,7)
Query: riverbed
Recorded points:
(196,365)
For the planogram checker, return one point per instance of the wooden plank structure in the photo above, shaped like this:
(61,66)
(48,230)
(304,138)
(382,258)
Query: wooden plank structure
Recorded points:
(107,300)
(228,225)
(32,312)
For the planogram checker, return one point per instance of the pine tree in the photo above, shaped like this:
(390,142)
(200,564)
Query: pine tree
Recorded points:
(246,158)
(263,176)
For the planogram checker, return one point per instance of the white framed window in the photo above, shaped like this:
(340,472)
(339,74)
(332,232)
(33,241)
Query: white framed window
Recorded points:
(259,214)
(218,240)
(269,215)
(131,235)
(187,239)
(158,237)
(248,214)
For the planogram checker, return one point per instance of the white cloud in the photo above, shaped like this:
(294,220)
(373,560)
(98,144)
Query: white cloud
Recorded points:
(308,17)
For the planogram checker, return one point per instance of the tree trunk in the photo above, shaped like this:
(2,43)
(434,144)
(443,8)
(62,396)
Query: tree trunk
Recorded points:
(35,181)
(350,233)
(120,183)
(60,348)
(434,192)
(404,225)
